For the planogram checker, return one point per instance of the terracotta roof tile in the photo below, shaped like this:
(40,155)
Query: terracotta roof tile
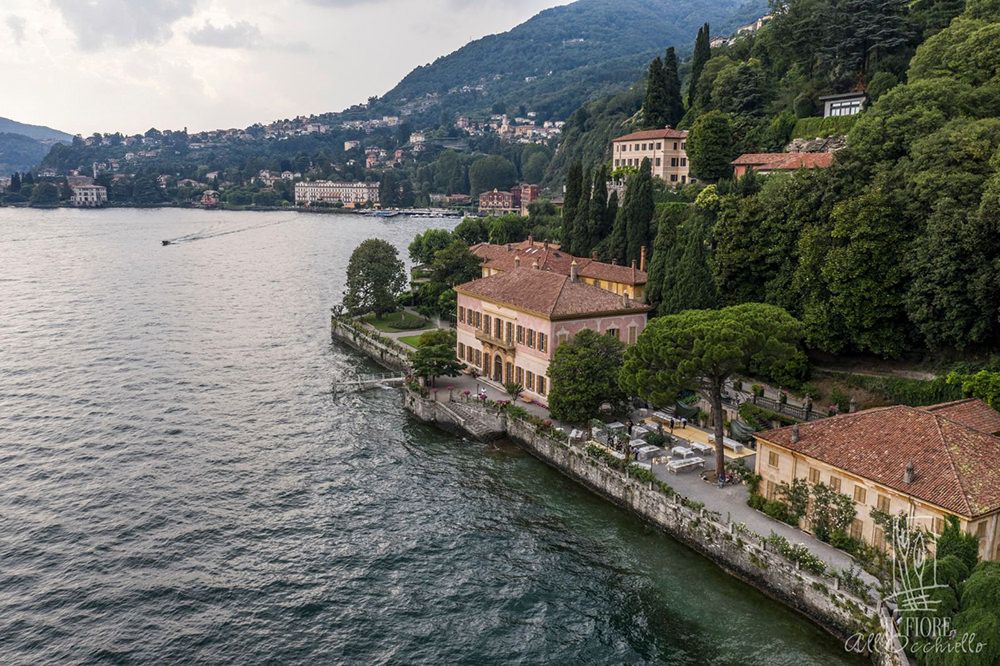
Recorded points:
(549,294)
(666,133)
(957,467)
(552,259)
(973,413)
(785,161)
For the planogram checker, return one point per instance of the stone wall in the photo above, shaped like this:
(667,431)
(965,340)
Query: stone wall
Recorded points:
(381,349)
(731,546)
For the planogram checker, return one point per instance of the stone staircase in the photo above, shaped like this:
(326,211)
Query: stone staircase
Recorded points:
(481,426)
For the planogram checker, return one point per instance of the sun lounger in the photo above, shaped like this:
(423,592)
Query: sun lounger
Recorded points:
(681,452)
(684,465)
(702,448)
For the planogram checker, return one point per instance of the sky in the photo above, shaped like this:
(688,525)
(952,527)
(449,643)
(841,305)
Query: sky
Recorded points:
(85,66)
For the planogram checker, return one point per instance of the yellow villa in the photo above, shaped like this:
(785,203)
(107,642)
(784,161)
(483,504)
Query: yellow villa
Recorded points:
(627,281)
(926,462)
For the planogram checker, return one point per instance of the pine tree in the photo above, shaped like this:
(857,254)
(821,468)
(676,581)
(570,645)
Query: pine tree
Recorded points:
(702,54)
(574,182)
(654,108)
(674,109)
(579,240)
(597,223)
(638,210)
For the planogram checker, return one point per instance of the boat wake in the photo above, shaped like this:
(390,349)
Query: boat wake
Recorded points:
(210,232)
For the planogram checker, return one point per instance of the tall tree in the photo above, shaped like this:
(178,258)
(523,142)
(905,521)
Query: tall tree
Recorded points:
(584,373)
(701,349)
(674,108)
(667,221)
(580,237)
(435,356)
(711,146)
(654,107)
(687,281)
(375,278)
(597,223)
(638,211)
(574,190)
(702,54)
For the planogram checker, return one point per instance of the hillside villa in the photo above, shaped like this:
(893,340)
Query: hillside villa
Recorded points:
(628,281)
(765,163)
(515,201)
(926,462)
(666,150)
(511,322)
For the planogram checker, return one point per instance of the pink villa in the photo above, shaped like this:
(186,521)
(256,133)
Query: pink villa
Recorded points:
(510,323)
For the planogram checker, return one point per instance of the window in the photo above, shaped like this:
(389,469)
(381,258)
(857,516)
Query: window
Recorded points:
(497,329)
(510,332)
(684,145)
(771,490)
(542,342)
(772,459)
(633,334)
(938,526)
(636,147)
(611,332)
(461,314)
(673,161)
(878,538)
(541,385)
(981,531)
(658,161)
(835,483)
(813,475)
(519,375)
(673,178)
(684,161)
(883,504)
(509,373)
(531,338)
(860,495)
(617,162)
(520,335)
(675,145)
(479,319)
(856,527)
(461,350)
(479,358)
(684,179)
(530,380)
(487,323)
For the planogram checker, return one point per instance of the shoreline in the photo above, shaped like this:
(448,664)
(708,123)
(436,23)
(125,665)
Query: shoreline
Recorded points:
(820,598)
(364,212)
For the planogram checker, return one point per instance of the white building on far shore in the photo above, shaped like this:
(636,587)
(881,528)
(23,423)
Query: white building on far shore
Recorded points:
(89,196)
(327,191)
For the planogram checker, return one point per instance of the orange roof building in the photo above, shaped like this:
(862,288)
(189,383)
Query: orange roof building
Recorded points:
(666,150)
(764,163)
(928,463)
(511,322)
(629,281)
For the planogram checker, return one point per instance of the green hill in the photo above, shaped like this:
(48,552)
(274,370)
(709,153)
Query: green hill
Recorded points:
(23,146)
(565,56)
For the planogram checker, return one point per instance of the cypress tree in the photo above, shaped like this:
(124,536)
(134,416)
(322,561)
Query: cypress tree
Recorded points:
(688,283)
(666,240)
(611,214)
(654,108)
(574,181)
(638,211)
(15,182)
(672,86)
(702,54)
(617,243)
(579,239)
(598,227)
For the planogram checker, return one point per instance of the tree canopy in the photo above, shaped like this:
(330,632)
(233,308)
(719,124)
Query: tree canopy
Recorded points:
(375,278)
(584,375)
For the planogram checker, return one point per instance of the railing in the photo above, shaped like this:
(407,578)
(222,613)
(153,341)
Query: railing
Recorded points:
(483,336)
(797,412)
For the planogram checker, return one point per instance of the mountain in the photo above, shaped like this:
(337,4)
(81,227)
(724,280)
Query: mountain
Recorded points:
(565,56)
(23,146)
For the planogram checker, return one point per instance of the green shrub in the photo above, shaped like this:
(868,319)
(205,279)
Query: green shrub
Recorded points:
(760,418)
(756,502)
(777,510)
(816,127)
(899,390)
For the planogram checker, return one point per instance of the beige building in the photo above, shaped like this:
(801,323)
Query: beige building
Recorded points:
(927,463)
(327,191)
(666,150)
(89,196)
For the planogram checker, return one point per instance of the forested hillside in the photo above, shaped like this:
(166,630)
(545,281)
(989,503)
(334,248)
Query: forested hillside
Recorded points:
(565,56)
(23,146)
(894,250)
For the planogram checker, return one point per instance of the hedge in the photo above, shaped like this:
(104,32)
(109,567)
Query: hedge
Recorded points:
(812,128)
(902,391)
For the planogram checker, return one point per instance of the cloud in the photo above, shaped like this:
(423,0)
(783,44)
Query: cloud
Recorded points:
(17,26)
(240,35)
(100,23)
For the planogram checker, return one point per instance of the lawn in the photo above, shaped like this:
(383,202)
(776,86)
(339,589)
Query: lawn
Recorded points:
(411,340)
(397,322)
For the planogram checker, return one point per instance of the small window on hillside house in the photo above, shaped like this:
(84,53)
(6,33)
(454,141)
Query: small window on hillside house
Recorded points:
(772,458)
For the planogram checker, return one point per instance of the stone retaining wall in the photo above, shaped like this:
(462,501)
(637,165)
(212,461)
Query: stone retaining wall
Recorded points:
(731,546)
(385,351)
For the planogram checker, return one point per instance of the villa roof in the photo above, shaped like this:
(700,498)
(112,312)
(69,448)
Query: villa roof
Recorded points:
(665,133)
(956,465)
(549,294)
(551,258)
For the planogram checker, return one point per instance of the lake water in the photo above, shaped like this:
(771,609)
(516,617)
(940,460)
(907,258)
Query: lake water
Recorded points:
(179,483)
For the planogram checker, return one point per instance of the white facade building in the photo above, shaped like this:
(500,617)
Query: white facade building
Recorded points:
(90,196)
(334,192)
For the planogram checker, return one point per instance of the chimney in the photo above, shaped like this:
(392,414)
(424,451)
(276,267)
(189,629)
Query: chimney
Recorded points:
(624,300)
(852,406)
(614,262)
(633,264)
(517,261)
(642,259)
(508,247)
(572,272)
(908,475)
(795,434)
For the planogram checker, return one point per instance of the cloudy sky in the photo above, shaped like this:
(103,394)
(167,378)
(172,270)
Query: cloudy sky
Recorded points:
(104,65)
